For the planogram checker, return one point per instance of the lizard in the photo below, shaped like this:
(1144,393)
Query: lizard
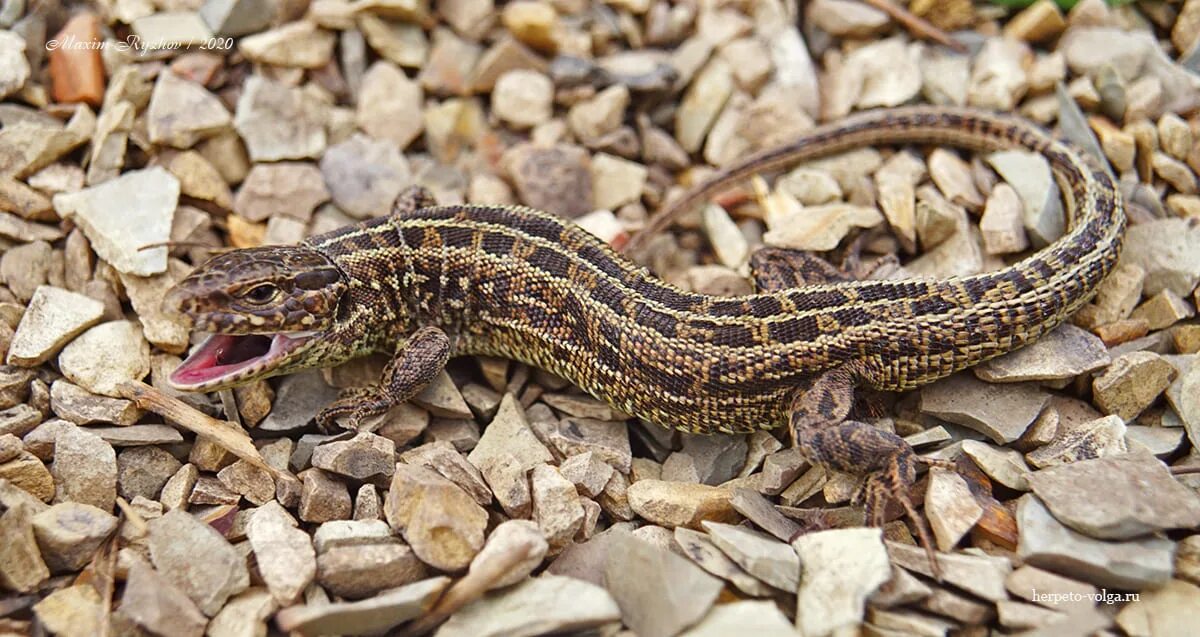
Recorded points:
(428,282)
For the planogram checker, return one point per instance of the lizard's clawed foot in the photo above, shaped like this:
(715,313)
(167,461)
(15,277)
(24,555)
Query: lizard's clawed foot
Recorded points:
(352,407)
(893,482)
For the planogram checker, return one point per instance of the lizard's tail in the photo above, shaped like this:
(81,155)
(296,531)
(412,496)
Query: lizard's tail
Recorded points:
(990,313)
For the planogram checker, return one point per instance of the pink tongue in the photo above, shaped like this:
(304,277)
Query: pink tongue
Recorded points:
(218,356)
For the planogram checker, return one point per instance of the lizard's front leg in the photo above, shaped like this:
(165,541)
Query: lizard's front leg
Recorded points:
(414,365)
(819,428)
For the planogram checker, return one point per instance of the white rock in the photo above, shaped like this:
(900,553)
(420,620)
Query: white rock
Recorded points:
(891,74)
(542,605)
(760,555)
(105,356)
(616,181)
(1047,543)
(951,508)
(840,569)
(761,619)
(14,67)
(54,317)
(523,98)
(122,215)
(1029,174)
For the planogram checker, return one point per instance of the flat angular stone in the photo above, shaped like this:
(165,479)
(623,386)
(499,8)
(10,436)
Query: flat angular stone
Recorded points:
(1065,352)
(708,460)
(297,44)
(361,571)
(443,458)
(1099,438)
(983,576)
(1005,466)
(75,610)
(555,178)
(1048,589)
(245,614)
(762,619)
(510,537)
(85,469)
(283,188)
(637,572)
(1029,174)
(951,508)
(157,605)
(389,105)
(299,398)
(1140,497)
(366,456)
(1163,248)
(70,533)
(589,474)
(672,504)
(351,533)
(841,569)
(21,565)
(442,398)
(700,549)
(609,440)
(105,356)
(556,505)
(118,225)
(370,616)
(196,558)
(142,471)
(323,497)
(279,122)
(19,420)
(53,317)
(27,474)
(183,112)
(762,556)
(284,554)
(251,482)
(1130,565)
(236,17)
(1163,611)
(537,606)
(1132,383)
(1001,413)
(364,175)
(442,523)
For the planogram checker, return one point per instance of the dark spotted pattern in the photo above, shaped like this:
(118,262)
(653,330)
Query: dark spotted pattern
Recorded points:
(524,284)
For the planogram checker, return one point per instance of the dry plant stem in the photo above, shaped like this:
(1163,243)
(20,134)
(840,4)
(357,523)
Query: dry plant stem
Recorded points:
(1184,471)
(179,413)
(104,566)
(466,590)
(919,27)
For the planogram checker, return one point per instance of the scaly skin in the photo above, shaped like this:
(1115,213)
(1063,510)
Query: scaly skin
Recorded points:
(524,284)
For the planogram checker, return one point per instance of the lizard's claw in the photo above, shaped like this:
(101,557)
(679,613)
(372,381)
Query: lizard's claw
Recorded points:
(352,407)
(893,482)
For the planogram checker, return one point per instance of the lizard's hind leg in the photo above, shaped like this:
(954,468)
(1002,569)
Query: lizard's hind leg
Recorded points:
(776,269)
(819,428)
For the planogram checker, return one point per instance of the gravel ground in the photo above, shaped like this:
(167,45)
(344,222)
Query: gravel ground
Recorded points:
(138,137)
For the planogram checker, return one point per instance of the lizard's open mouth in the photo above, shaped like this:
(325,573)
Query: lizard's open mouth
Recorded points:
(224,358)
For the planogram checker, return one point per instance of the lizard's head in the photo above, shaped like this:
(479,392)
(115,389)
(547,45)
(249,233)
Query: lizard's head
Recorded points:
(267,310)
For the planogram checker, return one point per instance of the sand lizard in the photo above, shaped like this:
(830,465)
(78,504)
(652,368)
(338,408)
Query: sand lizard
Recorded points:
(429,282)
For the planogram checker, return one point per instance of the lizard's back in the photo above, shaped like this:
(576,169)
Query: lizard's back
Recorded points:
(520,283)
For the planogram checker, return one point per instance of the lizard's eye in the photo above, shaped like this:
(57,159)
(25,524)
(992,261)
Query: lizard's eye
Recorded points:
(262,293)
